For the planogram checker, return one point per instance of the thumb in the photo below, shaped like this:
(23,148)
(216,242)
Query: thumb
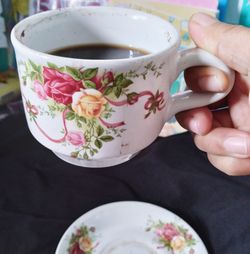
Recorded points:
(231,43)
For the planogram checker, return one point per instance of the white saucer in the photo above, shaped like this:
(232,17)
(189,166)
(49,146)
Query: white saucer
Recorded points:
(130,228)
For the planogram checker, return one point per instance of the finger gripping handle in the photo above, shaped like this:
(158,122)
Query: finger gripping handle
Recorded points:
(190,99)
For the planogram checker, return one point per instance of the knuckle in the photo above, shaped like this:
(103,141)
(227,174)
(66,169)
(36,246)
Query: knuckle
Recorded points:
(229,166)
(248,144)
(230,47)
(208,144)
(230,171)
(198,140)
(224,33)
(233,166)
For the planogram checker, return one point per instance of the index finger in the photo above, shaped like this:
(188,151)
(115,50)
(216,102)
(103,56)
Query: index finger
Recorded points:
(231,43)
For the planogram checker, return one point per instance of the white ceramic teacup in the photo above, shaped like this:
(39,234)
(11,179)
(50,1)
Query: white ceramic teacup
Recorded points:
(99,113)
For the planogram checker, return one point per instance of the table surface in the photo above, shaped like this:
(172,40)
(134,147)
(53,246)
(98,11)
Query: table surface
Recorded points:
(40,195)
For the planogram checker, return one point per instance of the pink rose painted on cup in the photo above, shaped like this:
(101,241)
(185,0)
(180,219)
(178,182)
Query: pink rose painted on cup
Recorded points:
(39,89)
(32,109)
(102,81)
(60,86)
(76,138)
(88,103)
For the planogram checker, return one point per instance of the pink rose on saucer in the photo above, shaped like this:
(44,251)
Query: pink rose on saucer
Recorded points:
(168,232)
(76,250)
(60,86)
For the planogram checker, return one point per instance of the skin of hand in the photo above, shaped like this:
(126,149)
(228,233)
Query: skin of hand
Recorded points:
(224,134)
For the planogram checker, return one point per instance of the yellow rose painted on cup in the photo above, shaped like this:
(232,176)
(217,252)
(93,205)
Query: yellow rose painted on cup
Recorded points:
(88,103)
(178,243)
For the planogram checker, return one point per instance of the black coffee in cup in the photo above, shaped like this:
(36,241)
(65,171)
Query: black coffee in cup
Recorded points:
(99,52)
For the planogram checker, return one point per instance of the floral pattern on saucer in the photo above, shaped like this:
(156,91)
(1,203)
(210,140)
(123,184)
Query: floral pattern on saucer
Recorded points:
(83,241)
(130,227)
(172,236)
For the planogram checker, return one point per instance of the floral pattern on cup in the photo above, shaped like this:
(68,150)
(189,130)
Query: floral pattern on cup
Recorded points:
(173,237)
(88,97)
(83,241)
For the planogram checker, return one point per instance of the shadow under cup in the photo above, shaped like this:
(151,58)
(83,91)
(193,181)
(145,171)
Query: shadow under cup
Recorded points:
(94,113)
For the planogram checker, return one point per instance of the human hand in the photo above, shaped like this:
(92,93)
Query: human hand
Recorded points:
(224,134)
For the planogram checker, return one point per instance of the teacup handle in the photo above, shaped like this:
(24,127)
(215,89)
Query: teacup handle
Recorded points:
(190,99)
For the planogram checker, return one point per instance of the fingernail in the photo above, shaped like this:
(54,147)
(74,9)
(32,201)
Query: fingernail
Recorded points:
(194,126)
(236,145)
(203,19)
(210,83)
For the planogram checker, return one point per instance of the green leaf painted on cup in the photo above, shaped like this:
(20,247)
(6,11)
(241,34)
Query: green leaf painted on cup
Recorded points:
(53,66)
(118,91)
(76,74)
(98,143)
(70,116)
(118,79)
(90,84)
(106,138)
(99,131)
(108,90)
(89,73)
(126,83)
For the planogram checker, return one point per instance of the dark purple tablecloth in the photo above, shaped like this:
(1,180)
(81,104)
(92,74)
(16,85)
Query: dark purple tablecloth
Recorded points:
(40,195)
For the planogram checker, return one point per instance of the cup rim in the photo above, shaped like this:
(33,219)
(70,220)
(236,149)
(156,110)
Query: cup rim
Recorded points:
(16,42)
